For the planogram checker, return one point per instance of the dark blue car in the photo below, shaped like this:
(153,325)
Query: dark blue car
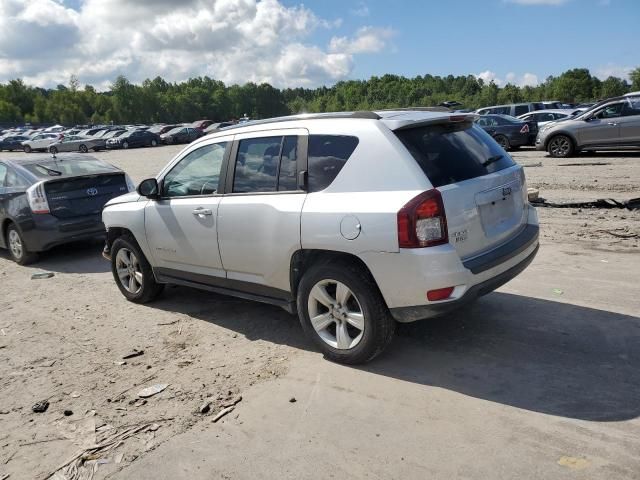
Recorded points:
(12,142)
(47,201)
(508,131)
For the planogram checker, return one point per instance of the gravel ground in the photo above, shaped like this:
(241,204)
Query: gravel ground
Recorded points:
(63,339)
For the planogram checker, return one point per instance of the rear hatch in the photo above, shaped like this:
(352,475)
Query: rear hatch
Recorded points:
(482,188)
(75,197)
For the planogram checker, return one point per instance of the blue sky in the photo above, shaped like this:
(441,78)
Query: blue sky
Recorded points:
(473,36)
(288,43)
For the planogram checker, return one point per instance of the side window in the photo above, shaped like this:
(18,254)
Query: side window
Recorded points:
(257,165)
(610,111)
(3,175)
(520,109)
(327,156)
(288,178)
(196,174)
(12,179)
(631,107)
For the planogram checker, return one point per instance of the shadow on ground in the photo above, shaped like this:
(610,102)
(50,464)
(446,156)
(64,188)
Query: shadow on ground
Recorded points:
(77,257)
(538,355)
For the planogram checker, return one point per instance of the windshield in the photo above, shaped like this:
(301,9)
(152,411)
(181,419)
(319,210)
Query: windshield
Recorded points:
(175,130)
(452,152)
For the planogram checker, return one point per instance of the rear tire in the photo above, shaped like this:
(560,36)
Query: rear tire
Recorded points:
(503,142)
(125,145)
(83,148)
(17,247)
(53,150)
(351,323)
(154,143)
(560,146)
(132,272)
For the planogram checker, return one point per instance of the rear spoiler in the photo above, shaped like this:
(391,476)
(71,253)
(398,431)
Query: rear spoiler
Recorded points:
(403,124)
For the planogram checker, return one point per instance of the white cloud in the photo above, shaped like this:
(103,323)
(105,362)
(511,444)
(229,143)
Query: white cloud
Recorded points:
(525,80)
(539,2)
(236,41)
(366,40)
(612,70)
(362,10)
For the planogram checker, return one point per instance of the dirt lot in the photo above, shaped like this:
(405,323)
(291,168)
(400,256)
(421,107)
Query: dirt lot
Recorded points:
(538,380)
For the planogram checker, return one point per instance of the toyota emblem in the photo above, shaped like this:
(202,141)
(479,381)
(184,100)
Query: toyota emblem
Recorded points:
(92,192)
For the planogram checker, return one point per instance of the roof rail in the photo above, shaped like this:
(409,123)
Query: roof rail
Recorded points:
(307,116)
(415,109)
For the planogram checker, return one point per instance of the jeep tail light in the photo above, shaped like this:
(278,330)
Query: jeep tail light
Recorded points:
(37,198)
(525,128)
(422,222)
(439,294)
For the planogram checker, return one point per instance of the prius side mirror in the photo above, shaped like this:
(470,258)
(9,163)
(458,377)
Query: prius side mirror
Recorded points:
(149,188)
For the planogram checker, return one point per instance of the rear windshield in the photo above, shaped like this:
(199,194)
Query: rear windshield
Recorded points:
(48,168)
(453,152)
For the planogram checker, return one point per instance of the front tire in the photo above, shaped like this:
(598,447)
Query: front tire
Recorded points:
(342,311)
(125,145)
(132,272)
(27,149)
(154,143)
(83,148)
(53,150)
(560,146)
(503,142)
(17,247)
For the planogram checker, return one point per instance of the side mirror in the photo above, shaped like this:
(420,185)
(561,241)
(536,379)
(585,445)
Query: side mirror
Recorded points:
(149,188)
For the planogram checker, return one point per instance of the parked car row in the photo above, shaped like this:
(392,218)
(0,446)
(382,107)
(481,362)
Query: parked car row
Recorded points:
(57,138)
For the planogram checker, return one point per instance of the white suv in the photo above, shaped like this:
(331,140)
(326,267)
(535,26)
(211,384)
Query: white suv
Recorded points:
(352,220)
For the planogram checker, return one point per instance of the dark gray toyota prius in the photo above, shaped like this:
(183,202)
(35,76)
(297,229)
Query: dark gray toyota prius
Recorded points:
(46,201)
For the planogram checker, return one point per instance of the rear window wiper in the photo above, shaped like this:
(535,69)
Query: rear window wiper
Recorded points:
(491,160)
(50,171)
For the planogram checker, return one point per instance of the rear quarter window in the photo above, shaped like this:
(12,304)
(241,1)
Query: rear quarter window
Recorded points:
(454,152)
(327,155)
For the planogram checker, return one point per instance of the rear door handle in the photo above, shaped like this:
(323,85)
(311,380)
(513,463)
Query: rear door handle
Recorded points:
(201,212)
(612,123)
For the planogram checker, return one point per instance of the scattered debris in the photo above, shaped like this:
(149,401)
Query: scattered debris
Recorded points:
(41,275)
(619,235)
(533,194)
(133,353)
(233,402)
(46,364)
(222,413)
(68,413)
(573,463)
(74,394)
(168,323)
(205,408)
(120,363)
(152,390)
(83,464)
(118,458)
(40,407)
(585,164)
(632,204)
(539,164)
(557,291)
(292,400)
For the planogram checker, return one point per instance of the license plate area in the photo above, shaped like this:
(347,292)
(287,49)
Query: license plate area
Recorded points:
(500,208)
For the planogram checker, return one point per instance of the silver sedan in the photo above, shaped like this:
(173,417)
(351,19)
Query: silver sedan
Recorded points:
(74,143)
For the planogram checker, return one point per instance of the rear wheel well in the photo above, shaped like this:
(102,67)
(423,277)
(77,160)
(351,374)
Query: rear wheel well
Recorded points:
(302,260)
(5,228)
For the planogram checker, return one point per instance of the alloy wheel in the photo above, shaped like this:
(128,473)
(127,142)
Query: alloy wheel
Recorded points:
(559,147)
(129,270)
(15,244)
(335,314)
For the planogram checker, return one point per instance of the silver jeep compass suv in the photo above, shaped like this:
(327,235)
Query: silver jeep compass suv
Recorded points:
(355,221)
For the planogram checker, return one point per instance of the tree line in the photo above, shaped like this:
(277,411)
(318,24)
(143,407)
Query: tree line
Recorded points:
(157,100)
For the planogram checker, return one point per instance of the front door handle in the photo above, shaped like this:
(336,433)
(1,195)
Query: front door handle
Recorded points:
(612,123)
(202,212)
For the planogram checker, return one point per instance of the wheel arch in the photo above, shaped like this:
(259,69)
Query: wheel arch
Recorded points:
(4,228)
(571,136)
(304,259)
